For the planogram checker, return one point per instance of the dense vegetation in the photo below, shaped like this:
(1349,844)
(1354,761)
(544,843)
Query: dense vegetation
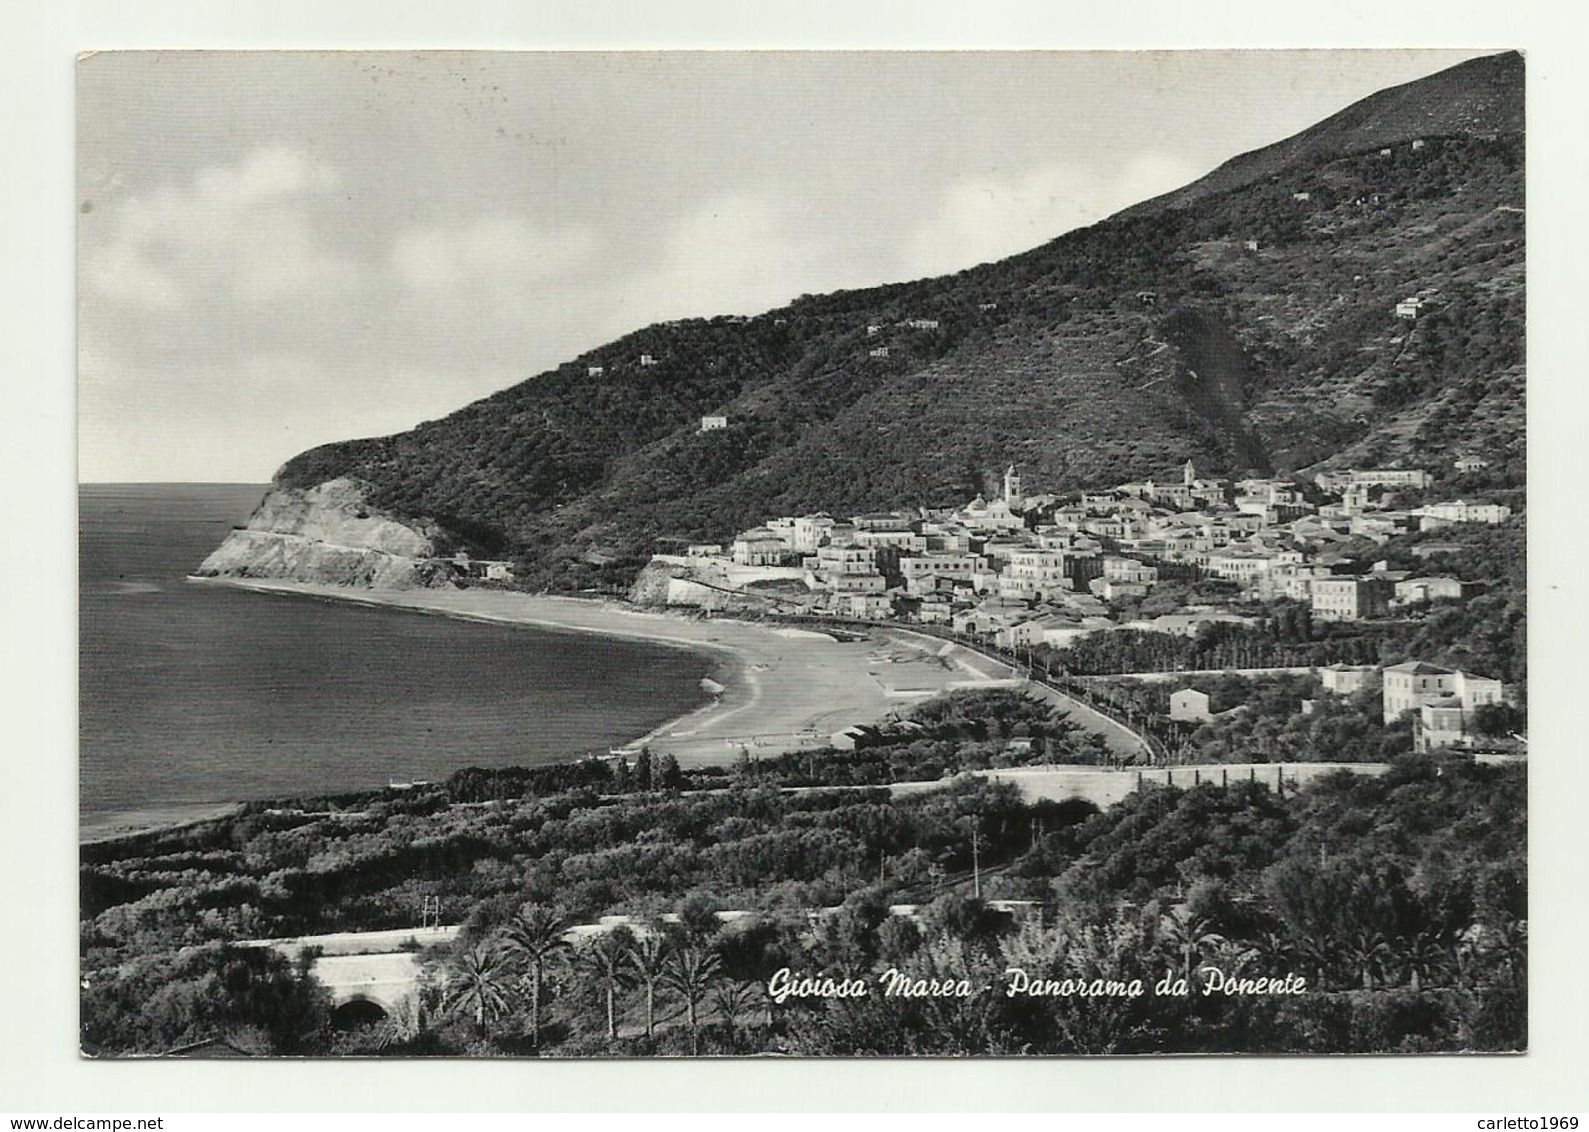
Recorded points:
(1139,341)
(1399,899)
(1260,719)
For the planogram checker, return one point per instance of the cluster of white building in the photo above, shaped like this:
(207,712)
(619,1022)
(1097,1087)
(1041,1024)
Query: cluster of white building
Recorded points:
(1026,570)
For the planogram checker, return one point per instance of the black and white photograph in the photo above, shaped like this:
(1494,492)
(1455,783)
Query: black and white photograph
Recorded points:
(805,553)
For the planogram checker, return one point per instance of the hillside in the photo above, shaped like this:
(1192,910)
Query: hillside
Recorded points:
(1229,321)
(1482,97)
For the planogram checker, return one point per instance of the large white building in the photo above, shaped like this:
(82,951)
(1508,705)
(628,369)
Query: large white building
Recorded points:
(1412,590)
(921,573)
(907,540)
(832,561)
(1034,574)
(802,533)
(1348,598)
(1436,515)
(1409,686)
(758,547)
(1129,571)
(1372,477)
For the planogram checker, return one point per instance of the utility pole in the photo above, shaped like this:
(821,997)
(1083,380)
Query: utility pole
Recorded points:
(976,865)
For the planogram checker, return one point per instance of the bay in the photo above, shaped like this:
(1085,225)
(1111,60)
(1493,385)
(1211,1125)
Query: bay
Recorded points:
(193,694)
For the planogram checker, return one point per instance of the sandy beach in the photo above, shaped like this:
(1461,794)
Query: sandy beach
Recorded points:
(782,688)
(127,823)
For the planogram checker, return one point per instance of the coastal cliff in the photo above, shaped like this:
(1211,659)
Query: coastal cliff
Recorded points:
(329,533)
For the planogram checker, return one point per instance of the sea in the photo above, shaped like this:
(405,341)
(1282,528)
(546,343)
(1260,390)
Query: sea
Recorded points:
(195,694)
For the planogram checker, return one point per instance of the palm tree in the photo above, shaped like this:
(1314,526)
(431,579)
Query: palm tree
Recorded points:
(480,984)
(1187,933)
(605,958)
(691,974)
(1366,950)
(536,936)
(1426,957)
(734,1001)
(648,958)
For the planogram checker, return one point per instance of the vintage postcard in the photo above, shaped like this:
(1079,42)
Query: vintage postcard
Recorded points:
(679,554)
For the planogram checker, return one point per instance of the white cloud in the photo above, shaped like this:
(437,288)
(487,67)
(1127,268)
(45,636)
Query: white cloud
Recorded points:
(736,254)
(1147,175)
(489,253)
(244,230)
(989,218)
(264,175)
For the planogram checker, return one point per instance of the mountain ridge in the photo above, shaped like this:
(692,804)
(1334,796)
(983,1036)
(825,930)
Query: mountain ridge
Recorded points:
(1228,321)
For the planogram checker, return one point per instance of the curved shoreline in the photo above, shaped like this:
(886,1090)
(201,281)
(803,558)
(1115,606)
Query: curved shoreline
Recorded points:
(782,688)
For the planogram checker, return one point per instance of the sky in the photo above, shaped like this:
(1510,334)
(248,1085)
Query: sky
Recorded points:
(279,249)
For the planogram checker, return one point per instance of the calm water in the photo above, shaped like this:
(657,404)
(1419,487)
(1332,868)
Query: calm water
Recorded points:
(192,693)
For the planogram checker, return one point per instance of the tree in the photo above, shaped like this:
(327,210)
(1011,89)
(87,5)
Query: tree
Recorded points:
(1426,957)
(898,939)
(1497,721)
(1368,953)
(962,917)
(480,985)
(847,939)
(698,922)
(643,771)
(648,958)
(536,935)
(604,958)
(733,1001)
(691,974)
(1188,934)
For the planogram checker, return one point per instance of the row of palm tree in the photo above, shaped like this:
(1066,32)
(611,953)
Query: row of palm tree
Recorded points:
(494,975)
(1360,955)
(510,969)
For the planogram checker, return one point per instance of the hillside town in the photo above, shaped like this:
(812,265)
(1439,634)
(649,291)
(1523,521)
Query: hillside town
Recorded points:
(1024,570)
